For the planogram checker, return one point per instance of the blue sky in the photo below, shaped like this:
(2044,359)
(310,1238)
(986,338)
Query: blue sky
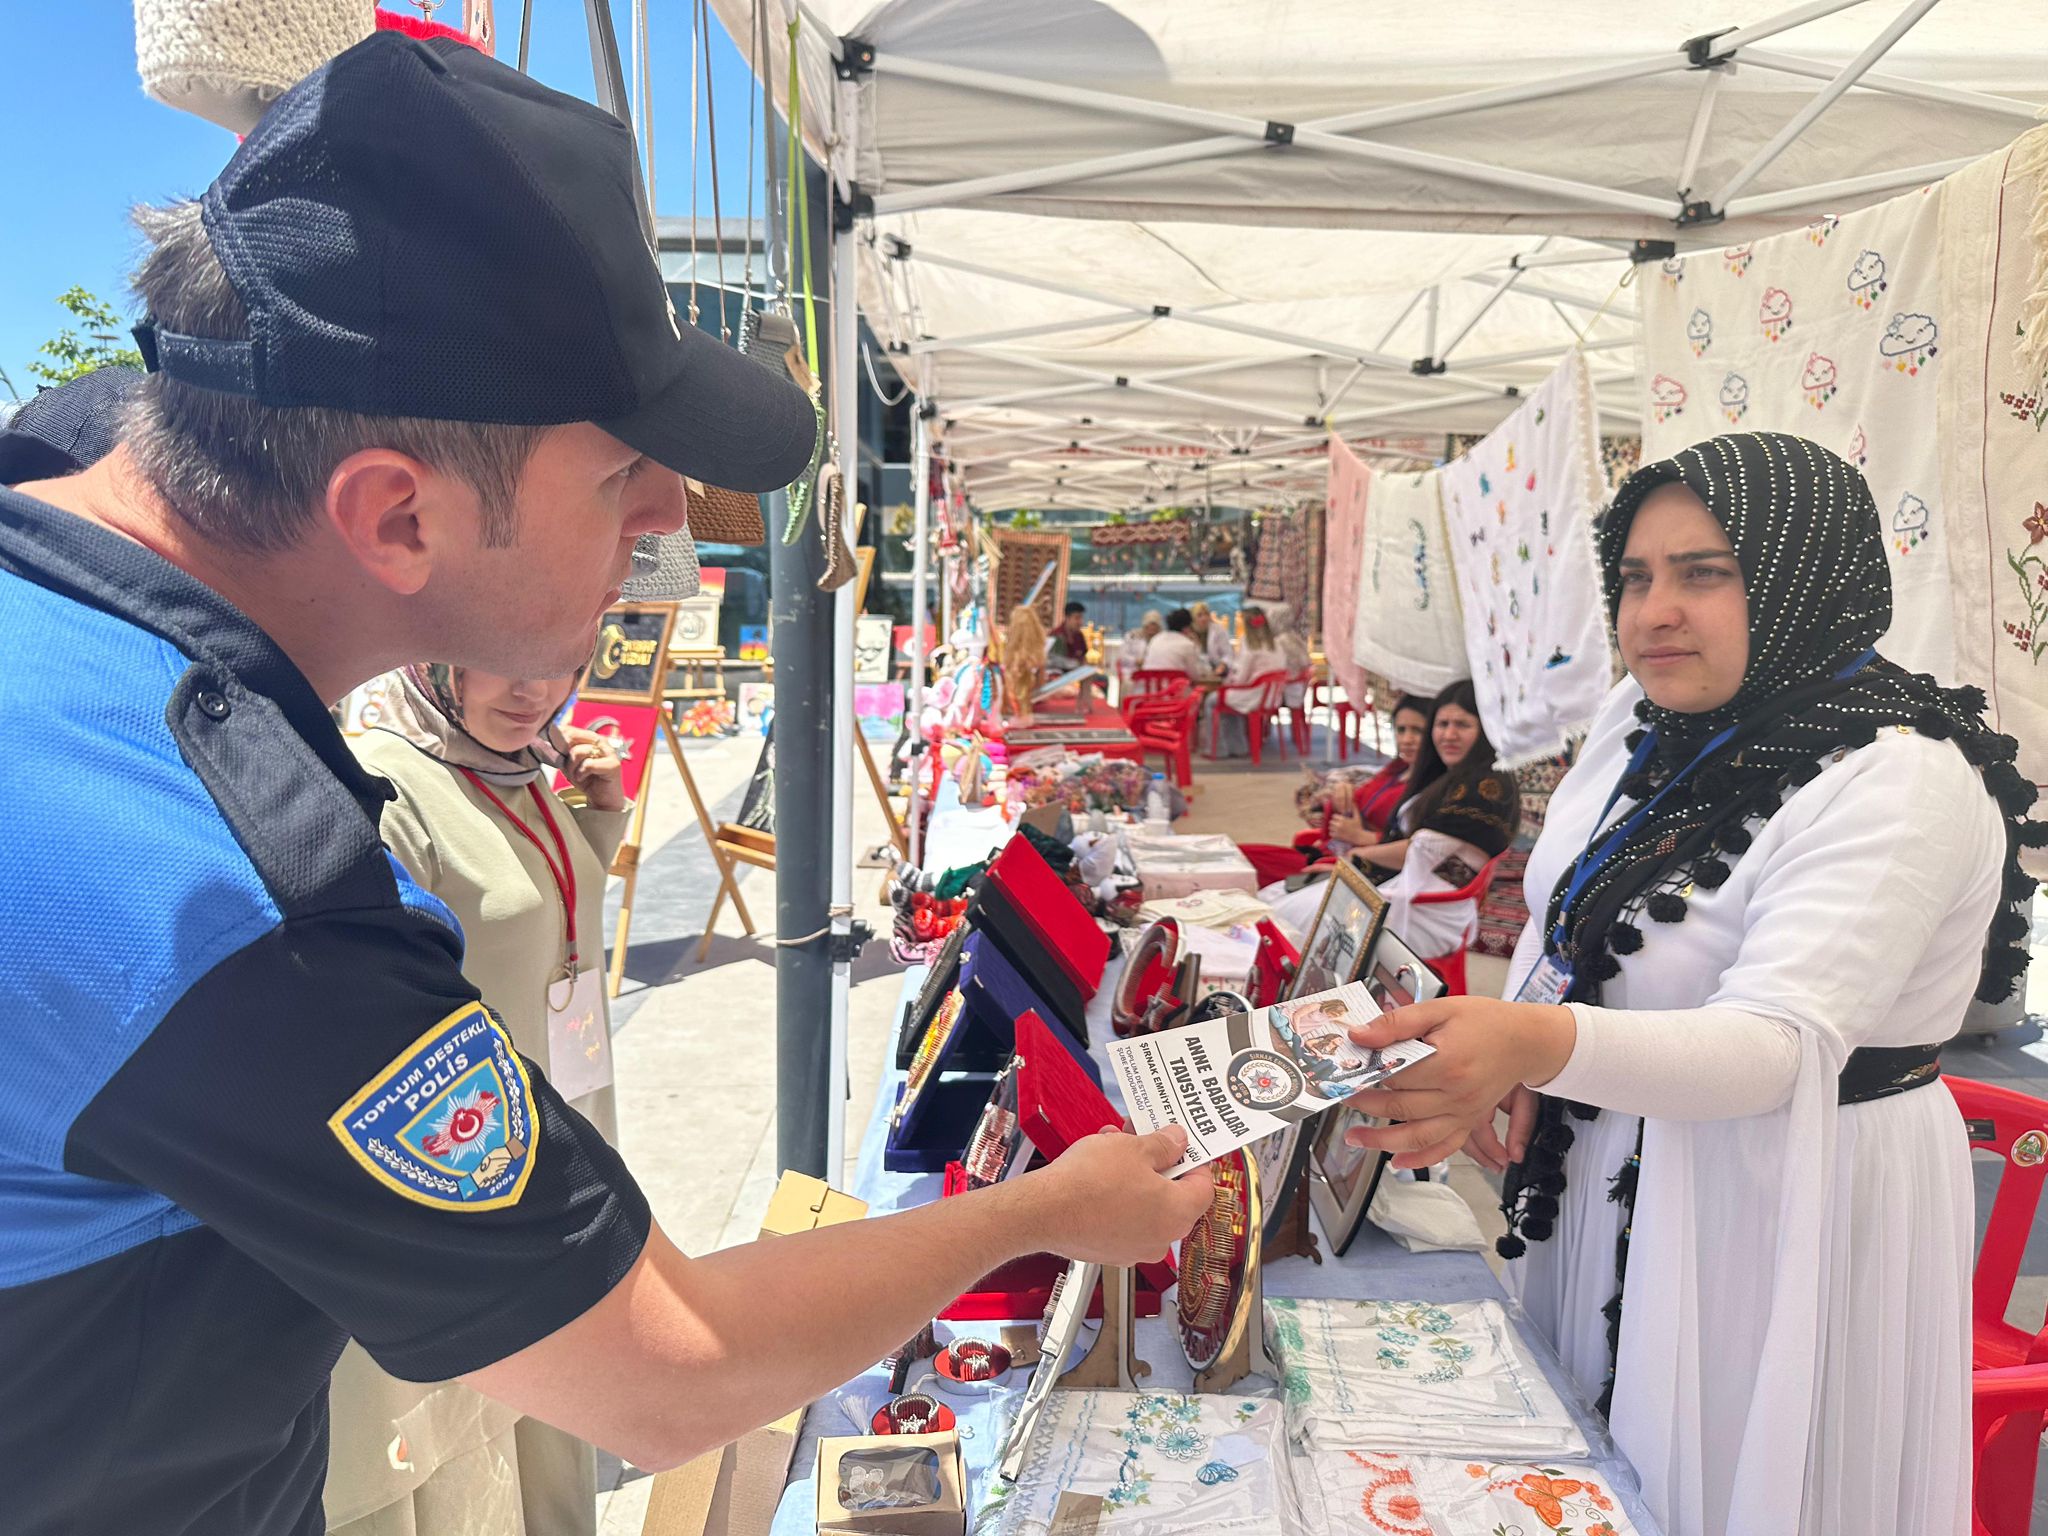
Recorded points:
(83,143)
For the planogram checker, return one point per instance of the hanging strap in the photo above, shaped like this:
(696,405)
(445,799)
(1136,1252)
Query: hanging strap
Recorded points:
(564,871)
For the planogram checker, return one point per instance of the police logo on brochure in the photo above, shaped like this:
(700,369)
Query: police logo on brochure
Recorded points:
(450,1121)
(1262,1079)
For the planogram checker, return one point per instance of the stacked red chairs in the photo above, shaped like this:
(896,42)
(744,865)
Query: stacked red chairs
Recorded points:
(1165,723)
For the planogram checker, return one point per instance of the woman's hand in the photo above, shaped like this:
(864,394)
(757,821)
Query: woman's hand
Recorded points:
(1485,1050)
(594,768)
(1349,827)
(1488,1150)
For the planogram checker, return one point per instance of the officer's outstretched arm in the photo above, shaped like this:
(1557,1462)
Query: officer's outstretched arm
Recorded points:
(686,1354)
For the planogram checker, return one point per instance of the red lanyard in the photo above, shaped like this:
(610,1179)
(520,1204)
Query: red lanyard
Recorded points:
(564,872)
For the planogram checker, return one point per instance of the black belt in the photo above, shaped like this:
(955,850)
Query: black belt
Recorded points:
(1882,1071)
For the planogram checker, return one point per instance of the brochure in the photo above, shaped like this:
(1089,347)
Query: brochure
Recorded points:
(1230,1081)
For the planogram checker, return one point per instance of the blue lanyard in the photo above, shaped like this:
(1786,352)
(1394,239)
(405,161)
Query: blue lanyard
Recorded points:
(1600,849)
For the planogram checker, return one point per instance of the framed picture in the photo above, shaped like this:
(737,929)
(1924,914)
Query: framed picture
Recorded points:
(1396,976)
(1031,567)
(1346,1177)
(631,663)
(1341,939)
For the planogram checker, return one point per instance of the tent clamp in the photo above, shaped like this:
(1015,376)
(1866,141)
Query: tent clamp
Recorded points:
(1280,133)
(1695,214)
(1238,453)
(1512,392)
(1643,252)
(1699,51)
(856,58)
(900,348)
(1161,311)
(1424,367)
(926,410)
(859,203)
(1311,421)
(846,947)
(1123,381)
(896,248)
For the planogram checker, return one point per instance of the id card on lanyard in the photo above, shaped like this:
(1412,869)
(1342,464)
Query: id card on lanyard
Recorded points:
(1551,981)
(579,1033)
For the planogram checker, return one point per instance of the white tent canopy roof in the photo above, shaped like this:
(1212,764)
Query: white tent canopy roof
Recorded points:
(1116,154)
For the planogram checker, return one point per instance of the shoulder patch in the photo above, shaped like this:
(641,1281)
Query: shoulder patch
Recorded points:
(450,1121)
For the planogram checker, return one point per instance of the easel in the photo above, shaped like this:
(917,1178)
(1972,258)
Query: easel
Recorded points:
(1112,1363)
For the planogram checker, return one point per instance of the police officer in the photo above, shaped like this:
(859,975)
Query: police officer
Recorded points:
(252,1107)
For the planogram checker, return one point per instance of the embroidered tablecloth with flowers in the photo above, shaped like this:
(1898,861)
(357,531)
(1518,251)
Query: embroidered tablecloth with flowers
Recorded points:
(1994,433)
(1405,624)
(1378,1493)
(1423,1376)
(1160,1461)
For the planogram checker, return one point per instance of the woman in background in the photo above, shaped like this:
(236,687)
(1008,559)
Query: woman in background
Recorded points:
(1457,811)
(1346,807)
(476,825)
(1245,683)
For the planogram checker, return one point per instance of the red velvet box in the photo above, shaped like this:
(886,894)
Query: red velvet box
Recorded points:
(1052,912)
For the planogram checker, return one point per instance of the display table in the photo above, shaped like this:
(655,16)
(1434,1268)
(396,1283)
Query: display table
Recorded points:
(1375,1268)
(1179,864)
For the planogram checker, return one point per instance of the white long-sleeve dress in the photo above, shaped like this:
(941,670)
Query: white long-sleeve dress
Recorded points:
(1794,1348)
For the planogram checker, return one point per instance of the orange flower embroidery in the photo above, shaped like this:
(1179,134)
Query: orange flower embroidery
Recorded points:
(1600,1500)
(1473,1469)
(2037,525)
(1405,1506)
(1602,1529)
(1545,1495)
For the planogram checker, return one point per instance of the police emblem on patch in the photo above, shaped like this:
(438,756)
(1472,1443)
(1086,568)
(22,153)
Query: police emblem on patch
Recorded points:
(450,1121)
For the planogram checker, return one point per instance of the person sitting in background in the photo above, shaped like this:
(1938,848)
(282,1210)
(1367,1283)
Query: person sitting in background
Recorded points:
(1023,661)
(1130,652)
(1212,635)
(1351,815)
(1293,655)
(476,825)
(1457,812)
(1176,650)
(1245,682)
(1070,640)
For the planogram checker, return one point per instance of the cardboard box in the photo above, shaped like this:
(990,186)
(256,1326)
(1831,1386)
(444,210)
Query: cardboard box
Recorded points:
(735,1491)
(946,1515)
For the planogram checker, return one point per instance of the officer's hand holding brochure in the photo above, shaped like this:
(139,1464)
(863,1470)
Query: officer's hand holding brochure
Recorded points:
(1230,1081)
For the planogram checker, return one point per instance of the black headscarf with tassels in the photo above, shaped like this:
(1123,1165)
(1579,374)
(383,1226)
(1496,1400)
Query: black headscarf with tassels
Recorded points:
(1807,536)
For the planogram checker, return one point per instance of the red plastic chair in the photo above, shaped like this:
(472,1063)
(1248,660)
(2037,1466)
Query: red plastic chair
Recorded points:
(2009,1383)
(1298,714)
(1272,688)
(1346,728)
(1166,724)
(1158,680)
(1274,964)
(1452,966)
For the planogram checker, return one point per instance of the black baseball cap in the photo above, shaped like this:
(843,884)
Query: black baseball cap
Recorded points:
(415,229)
(60,431)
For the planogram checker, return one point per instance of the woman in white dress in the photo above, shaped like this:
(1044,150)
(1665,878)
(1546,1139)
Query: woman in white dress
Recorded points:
(1741,1205)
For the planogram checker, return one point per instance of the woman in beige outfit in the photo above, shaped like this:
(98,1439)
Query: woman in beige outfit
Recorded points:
(477,826)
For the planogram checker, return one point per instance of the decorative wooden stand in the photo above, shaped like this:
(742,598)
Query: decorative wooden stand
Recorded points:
(1112,1363)
(1296,1237)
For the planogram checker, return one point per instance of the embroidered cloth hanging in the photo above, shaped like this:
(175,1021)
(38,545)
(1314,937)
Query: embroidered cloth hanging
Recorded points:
(1424,1376)
(1519,508)
(1162,1463)
(1993,434)
(1343,549)
(1833,333)
(1378,1493)
(1406,626)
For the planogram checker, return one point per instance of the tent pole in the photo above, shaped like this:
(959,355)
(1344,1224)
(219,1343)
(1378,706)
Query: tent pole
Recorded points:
(1500,289)
(1019,333)
(1434,303)
(845,414)
(1897,85)
(920,537)
(1824,98)
(1695,146)
(1798,16)
(1877,181)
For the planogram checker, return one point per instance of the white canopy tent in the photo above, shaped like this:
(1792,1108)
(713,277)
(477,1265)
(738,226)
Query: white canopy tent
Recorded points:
(1113,240)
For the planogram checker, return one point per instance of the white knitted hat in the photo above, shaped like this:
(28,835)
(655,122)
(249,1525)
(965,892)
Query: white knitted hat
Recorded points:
(227,60)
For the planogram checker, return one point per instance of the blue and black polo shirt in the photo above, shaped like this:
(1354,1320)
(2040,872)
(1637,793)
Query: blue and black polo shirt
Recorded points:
(249,1106)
